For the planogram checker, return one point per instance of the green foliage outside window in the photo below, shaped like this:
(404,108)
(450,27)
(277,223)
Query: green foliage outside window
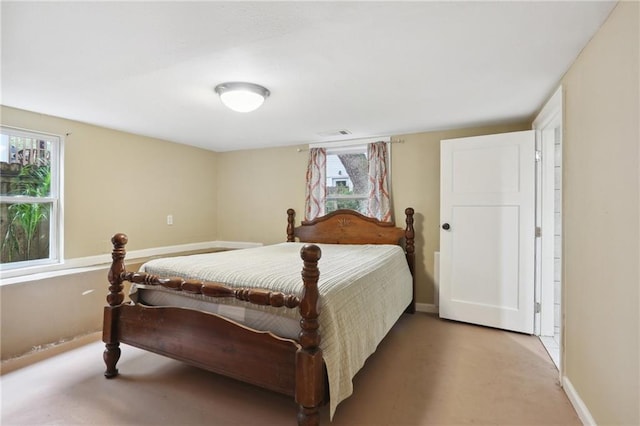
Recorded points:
(25,226)
(333,204)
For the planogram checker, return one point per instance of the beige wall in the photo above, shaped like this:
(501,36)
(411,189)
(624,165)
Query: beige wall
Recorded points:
(46,311)
(257,186)
(38,313)
(601,221)
(110,177)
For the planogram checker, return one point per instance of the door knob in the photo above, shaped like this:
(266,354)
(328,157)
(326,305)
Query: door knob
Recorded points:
(446,226)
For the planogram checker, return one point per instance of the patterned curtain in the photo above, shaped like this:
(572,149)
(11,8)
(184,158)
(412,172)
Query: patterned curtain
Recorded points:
(316,193)
(379,199)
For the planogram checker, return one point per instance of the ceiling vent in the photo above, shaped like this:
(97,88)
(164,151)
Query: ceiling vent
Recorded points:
(332,133)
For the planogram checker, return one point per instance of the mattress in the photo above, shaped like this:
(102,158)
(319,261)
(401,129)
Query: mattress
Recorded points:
(363,291)
(254,318)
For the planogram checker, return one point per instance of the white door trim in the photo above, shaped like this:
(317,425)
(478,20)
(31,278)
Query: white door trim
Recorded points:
(549,118)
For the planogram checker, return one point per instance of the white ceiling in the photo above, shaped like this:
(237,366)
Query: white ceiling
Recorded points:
(373,68)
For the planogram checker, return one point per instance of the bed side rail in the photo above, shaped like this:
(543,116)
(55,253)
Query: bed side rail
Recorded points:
(257,296)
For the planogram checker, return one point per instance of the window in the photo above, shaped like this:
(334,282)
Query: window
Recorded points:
(29,198)
(347,179)
(349,175)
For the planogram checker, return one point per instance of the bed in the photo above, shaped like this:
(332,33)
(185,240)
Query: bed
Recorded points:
(202,309)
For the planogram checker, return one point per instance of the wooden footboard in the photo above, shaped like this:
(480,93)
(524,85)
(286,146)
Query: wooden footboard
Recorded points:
(217,344)
(209,342)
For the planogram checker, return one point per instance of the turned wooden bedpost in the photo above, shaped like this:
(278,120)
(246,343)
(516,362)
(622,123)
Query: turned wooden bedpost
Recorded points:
(409,237)
(309,363)
(291,215)
(114,299)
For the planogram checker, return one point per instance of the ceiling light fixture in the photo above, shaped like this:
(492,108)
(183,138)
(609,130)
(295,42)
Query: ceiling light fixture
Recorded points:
(242,97)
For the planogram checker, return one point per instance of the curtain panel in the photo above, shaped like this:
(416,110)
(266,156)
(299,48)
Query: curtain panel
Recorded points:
(316,191)
(379,199)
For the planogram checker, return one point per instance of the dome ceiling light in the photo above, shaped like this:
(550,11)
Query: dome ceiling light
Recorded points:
(240,96)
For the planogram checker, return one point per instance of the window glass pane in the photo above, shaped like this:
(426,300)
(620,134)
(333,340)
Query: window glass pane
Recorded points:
(347,180)
(28,169)
(29,180)
(358,205)
(4,148)
(25,229)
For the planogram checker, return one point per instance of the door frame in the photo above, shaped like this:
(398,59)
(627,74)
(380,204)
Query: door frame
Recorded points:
(549,118)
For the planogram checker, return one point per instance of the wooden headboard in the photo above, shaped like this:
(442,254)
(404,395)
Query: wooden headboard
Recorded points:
(348,227)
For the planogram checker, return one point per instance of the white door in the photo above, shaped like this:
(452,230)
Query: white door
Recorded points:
(487,234)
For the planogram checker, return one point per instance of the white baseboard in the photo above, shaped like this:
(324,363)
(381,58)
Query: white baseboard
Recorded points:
(578,403)
(426,307)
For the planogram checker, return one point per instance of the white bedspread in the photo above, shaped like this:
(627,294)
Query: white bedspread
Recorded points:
(363,291)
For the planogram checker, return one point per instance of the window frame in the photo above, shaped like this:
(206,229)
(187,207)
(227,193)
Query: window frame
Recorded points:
(55,198)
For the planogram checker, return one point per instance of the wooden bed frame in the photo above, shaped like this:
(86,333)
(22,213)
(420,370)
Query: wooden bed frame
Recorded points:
(211,342)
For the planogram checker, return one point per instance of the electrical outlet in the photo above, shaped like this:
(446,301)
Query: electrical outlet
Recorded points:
(170,219)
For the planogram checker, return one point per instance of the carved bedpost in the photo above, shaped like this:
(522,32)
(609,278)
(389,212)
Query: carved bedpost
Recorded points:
(114,299)
(291,214)
(409,237)
(309,372)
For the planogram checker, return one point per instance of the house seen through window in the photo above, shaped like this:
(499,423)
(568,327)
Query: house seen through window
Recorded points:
(29,198)
(347,179)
